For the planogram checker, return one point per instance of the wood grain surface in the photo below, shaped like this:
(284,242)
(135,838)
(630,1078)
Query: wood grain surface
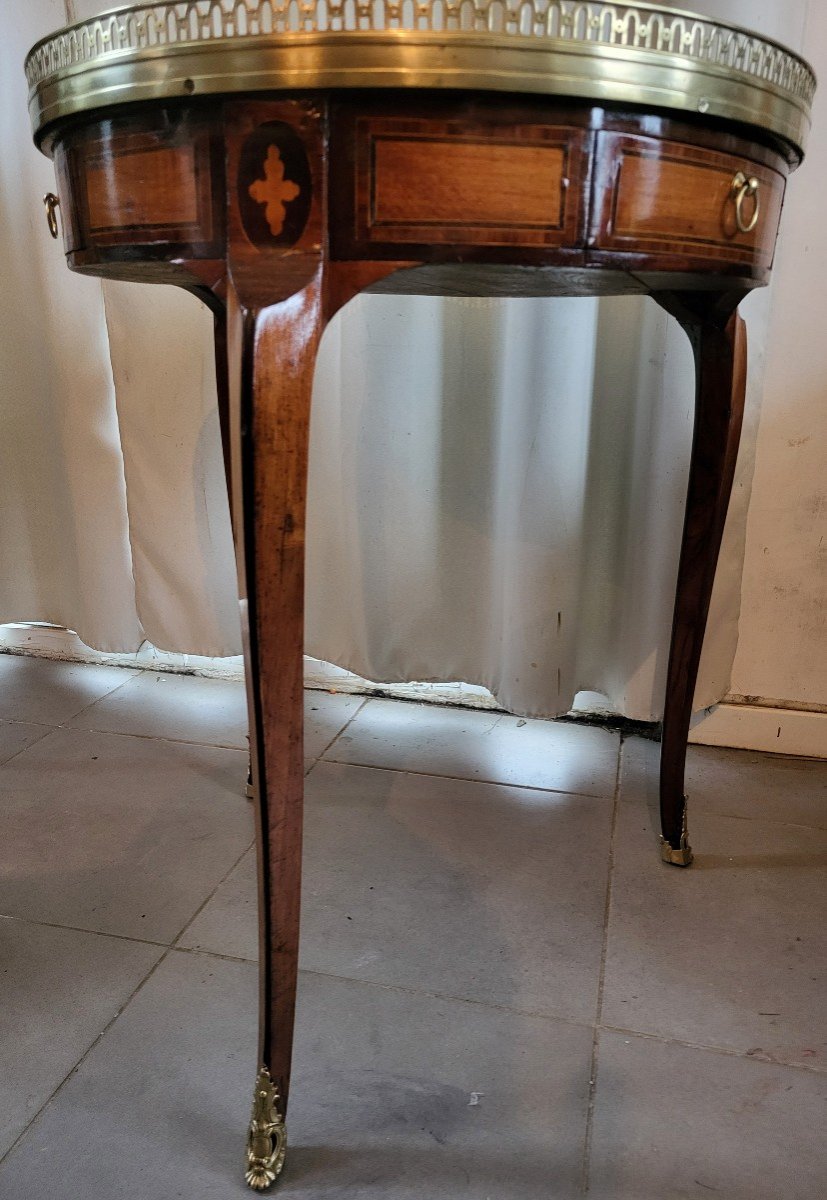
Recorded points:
(444,188)
(719,342)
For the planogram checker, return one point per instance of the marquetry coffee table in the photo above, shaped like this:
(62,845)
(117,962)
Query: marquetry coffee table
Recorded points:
(277,158)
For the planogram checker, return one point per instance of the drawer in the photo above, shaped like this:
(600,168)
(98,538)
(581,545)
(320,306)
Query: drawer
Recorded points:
(430,182)
(678,200)
(144,180)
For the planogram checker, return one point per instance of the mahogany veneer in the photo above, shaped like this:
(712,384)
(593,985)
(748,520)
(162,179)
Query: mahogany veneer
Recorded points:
(528,182)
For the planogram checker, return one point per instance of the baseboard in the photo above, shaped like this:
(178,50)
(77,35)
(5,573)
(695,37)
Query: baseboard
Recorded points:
(773,730)
(328,678)
(798,732)
(50,641)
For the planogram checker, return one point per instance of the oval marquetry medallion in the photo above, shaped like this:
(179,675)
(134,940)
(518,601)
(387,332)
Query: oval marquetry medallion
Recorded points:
(274,186)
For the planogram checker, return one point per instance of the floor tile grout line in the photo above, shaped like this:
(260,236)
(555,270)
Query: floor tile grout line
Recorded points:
(708,1048)
(221,955)
(153,737)
(585,1180)
(86,1053)
(311,763)
(401,988)
(534,1014)
(105,695)
(125,937)
(69,725)
(47,731)
(339,732)
(597,1025)
(23,721)
(167,950)
(524,787)
(201,907)
(499,718)
(410,991)
(118,937)
(156,737)
(704,810)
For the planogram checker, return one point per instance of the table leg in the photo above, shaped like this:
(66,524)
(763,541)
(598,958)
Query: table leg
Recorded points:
(280,290)
(718,337)
(271,357)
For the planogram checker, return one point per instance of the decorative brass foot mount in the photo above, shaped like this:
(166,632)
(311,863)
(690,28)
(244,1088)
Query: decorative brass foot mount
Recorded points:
(267,1138)
(683,856)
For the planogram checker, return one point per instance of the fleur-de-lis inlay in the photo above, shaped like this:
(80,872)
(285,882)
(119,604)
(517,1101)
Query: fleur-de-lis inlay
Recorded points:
(274,191)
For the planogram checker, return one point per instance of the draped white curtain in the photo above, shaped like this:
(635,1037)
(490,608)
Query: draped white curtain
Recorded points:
(496,487)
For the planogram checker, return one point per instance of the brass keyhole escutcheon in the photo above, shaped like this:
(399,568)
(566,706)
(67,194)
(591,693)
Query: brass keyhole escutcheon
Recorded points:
(52,203)
(746,188)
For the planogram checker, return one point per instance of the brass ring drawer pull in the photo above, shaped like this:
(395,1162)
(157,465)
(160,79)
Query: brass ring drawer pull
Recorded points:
(742,189)
(51,201)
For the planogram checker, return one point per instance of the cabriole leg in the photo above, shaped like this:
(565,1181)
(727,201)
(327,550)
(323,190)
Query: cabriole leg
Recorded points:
(276,240)
(718,337)
(281,289)
(272,354)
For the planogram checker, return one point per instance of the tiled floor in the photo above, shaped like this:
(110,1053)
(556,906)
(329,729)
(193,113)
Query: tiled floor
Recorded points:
(504,996)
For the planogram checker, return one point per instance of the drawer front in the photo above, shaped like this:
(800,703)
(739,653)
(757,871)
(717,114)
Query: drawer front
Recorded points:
(147,180)
(660,197)
(438,183)
(144,190)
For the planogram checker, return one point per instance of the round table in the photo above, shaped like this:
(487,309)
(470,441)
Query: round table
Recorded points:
(276,158)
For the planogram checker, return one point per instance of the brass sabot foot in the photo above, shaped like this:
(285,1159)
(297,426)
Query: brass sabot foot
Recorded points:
(267,1138)
(682,856)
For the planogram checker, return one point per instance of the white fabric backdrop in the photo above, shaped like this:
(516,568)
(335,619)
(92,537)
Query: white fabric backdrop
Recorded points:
(496,486)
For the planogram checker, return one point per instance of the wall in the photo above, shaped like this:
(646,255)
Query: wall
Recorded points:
(779,678)
(59,438)
(782,652)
